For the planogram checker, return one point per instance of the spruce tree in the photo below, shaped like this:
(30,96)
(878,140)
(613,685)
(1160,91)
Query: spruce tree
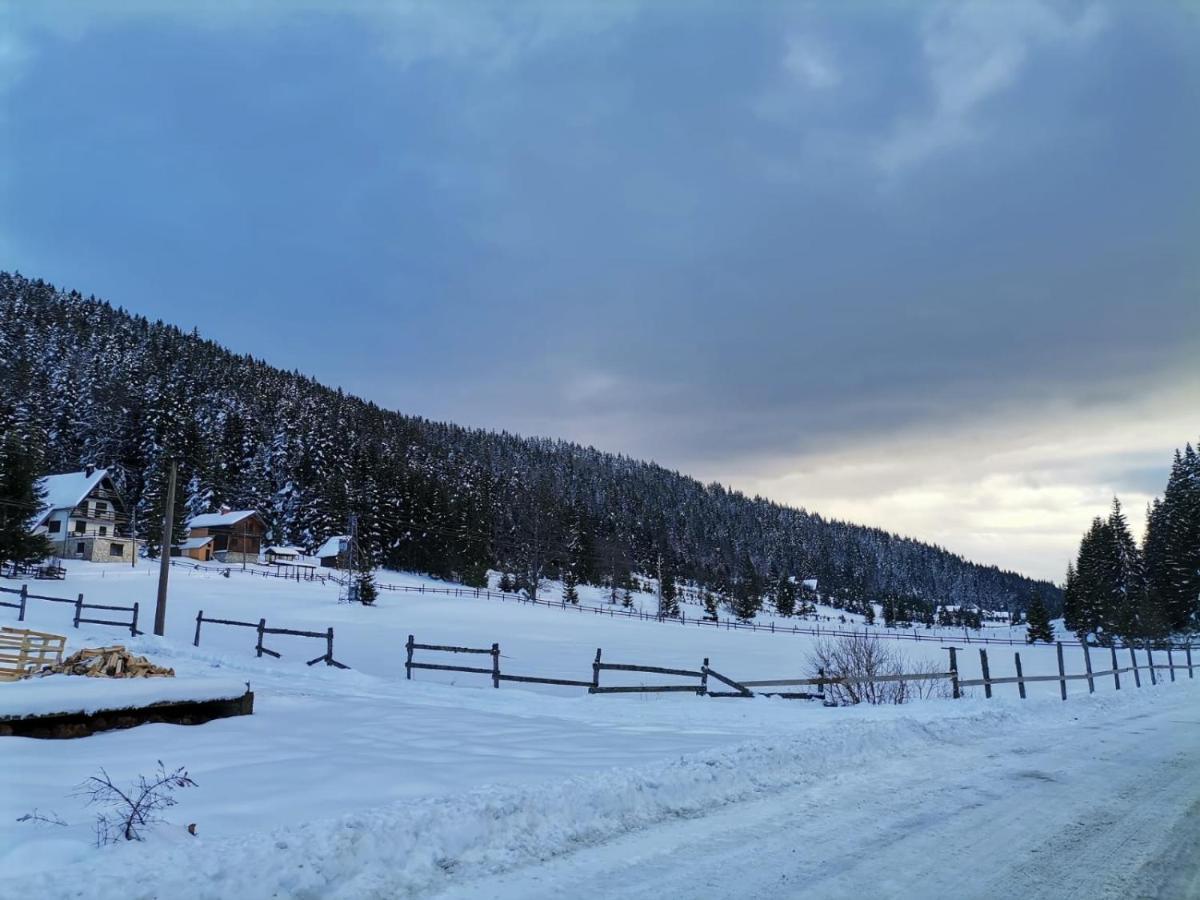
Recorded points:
(785,596)
(1039,627)
(570,590)
(747,591)
(21,498)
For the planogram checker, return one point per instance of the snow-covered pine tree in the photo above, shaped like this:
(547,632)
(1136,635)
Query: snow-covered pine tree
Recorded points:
(1039,627)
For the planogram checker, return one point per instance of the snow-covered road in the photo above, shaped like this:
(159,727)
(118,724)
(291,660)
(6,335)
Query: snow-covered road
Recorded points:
(1092,809)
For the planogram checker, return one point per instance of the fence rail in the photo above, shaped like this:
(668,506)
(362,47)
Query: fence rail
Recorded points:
(80,608)
(262,631)
(1090,675)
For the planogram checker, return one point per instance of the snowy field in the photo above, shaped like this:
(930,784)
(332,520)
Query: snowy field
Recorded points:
(361,784)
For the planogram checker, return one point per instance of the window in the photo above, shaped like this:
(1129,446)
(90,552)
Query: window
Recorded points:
(54,526)
(101,508)
(116,549)
(80,526)
(103,530)
(79,549)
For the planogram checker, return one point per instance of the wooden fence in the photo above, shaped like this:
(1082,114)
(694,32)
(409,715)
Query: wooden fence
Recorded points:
(747,688)
(261,628)
(81,609)
(494,670)
(1116,670)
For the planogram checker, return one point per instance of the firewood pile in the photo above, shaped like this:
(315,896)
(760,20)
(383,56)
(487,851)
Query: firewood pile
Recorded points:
(108,662)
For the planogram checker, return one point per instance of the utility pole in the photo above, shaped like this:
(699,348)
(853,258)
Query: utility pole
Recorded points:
(164,556)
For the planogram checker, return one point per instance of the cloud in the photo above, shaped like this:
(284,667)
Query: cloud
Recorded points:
(810,64)
(477,32)
(973,52)
(1014,486)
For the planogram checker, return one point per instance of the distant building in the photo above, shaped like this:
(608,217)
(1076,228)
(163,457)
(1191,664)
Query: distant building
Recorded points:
(335,552)
(289,556)
(84,517)
(236,536)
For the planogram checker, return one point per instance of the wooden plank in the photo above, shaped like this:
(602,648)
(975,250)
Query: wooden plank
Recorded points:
(530,679)
(1170,664)
(445,649)
(293,633)
(1116,672)
(987,678)
(955,684)
(1062,672)
(645,689)
(653,670)
(1020,678)
(1150,665)
(727,681)
(1087,664)
(442,668)
(1137,676)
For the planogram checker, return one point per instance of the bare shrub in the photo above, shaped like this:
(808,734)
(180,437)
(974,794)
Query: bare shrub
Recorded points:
(859,663)
(129,811)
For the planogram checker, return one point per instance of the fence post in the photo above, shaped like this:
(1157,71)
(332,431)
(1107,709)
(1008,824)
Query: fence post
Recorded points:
(595,672)
(329,647)
(262,625)
(133,625)
(1062,672)
(1087,662)
(25,596)
(1187,650)
(703,678)
(987,677)
(955,690)
(199,619)
(1170,664)
(1020,674)
(1137,676)
(78,609)
(495,665)
(1150,663)
(1116,673)
(408,660)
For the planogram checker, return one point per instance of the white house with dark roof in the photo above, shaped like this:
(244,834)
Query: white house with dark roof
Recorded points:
(84,517)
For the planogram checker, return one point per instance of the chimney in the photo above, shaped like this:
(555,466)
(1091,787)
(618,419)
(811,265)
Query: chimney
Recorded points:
(89,470)
(225,510)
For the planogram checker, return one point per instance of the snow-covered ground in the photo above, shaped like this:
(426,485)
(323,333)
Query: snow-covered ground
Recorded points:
(361,784)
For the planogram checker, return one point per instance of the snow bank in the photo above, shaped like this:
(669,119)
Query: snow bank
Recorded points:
(416,846)
(68,694)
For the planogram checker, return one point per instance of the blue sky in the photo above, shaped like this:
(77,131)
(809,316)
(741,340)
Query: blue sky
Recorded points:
(929,266)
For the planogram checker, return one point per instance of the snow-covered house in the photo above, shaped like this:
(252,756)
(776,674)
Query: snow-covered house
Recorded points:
(234,535)
(335,552)
(85,517)
(282,555)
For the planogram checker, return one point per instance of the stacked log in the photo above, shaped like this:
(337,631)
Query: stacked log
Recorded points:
(108,662)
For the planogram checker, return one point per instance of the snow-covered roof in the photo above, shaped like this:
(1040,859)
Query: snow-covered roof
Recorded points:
(66,491)
(195,543)
(284,551)
(332,547)
(217,519)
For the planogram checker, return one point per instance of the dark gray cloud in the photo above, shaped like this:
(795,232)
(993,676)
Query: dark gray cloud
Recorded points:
(736,238)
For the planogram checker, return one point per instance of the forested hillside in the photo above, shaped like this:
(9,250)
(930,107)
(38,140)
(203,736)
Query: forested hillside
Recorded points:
(90,383)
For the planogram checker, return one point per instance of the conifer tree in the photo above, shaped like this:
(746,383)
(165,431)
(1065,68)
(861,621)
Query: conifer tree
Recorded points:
(785,596)
(1039,627)
(21,496)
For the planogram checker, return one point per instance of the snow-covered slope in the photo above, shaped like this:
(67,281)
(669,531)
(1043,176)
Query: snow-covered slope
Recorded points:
(359,783)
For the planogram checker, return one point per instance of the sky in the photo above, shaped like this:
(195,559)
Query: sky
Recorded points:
(927,266)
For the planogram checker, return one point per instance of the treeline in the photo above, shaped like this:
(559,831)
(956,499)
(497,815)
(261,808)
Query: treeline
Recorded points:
(113,389)
(1118,591)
